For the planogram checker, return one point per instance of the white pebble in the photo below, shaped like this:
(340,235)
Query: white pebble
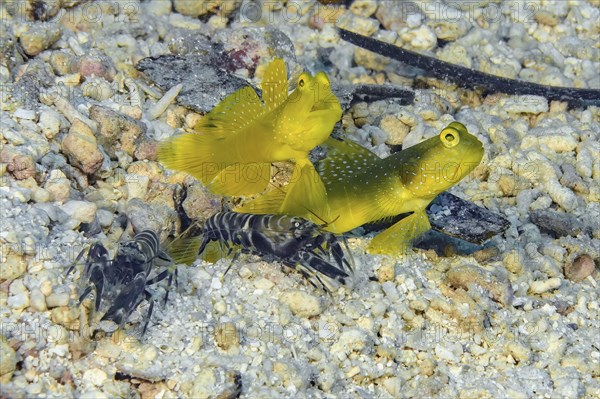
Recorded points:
(93,394)
(216,284)
(150,353)
(61,350)
(57,299)
(162,130)
(413,20)
(137,185)
(524,104)
(19,301)
(157,109)
(82,211)
(74,45)
(34,388)
(37,300)
(13,137)
(422,38)
(264,284)
(22,113)
(446,354)
(220,307)
(66,108)
(408,118)
(20,196)
(539,287)
(40,195)
(558,143)
(349,341)
(134,92)
(94,376)
(159,7)
(302,303)
(584,163)
(19,298)
(245,273)
(57,334)
(97,88)
(563,196)
(518,351)
(8,358)
(49,122)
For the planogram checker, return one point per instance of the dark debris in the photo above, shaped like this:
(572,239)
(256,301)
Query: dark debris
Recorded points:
(462,219)
(204,85)
(559,224)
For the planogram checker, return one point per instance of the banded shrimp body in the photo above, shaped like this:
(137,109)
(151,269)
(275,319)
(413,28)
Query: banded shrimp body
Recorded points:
(295,242)
(121,284)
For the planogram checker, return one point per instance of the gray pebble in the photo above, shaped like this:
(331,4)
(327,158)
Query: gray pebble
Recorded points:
(105,218)
(580,268)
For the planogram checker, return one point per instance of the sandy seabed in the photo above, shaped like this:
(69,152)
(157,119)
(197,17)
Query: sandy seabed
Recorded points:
(519,318)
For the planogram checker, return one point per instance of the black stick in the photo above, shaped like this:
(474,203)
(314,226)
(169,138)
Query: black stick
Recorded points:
(470,78)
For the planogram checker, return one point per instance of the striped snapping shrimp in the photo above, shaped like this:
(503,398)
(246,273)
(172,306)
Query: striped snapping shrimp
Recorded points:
(296,242)
(122,282)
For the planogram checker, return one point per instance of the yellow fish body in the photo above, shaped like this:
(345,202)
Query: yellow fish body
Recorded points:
(363,188)
(239,139)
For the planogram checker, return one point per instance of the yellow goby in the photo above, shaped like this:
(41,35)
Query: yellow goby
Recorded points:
(239,139)
(363,188)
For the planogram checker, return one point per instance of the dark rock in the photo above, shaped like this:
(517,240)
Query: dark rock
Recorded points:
(463,219)
(204,85)
(37,77)
(205,66)
(560,224)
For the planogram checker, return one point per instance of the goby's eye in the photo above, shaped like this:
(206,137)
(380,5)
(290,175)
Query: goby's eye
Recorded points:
(301,83)
(449,137)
